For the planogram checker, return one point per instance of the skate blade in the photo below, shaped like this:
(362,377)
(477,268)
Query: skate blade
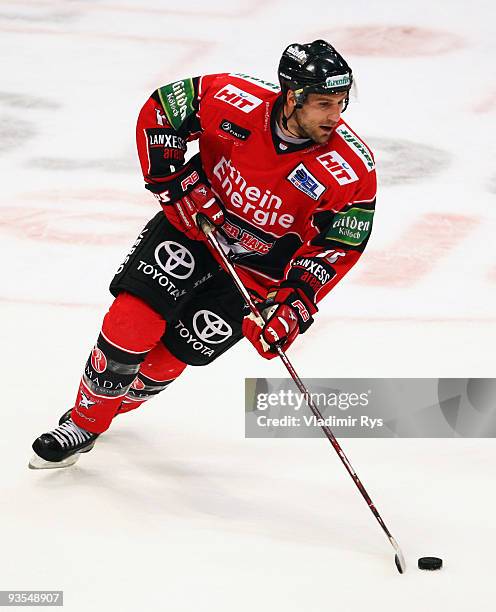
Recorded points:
(37,463)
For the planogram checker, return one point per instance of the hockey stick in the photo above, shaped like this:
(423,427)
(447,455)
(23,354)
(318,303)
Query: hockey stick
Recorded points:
(229,268)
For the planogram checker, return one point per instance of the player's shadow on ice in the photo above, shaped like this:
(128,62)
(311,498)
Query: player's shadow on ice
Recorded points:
(147,480)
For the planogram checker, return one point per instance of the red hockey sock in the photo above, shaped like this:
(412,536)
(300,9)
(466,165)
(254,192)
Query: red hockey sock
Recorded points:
(130,330)
(157,371)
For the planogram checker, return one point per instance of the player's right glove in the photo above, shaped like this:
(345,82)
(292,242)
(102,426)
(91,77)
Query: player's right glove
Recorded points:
(184,194)
(287,312)
(176,185)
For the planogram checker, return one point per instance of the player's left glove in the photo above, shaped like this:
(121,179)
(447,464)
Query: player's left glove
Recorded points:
(200,201)
(287,312)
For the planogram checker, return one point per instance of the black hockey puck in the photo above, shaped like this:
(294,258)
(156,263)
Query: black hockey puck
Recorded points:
(430,563)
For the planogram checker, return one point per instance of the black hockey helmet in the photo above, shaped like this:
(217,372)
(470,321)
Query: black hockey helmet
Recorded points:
(314,67)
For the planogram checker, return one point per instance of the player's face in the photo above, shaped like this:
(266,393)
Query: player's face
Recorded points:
(319,115)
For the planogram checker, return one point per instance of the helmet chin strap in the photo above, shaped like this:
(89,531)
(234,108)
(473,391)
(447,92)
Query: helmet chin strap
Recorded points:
(284,120)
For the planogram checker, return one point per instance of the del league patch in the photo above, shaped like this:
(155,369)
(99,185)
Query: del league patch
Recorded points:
(304,180)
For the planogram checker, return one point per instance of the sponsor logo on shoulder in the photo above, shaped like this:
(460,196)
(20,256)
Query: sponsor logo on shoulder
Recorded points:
(238,98)
(260,82)
(177,100)
(234,130)
(304,180)
(357,145)
(340,169)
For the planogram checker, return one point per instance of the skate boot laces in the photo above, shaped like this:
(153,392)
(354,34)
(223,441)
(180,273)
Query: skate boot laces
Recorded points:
(69,434)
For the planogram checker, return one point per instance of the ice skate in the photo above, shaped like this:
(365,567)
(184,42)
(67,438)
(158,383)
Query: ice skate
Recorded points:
(62,446)
(67,415)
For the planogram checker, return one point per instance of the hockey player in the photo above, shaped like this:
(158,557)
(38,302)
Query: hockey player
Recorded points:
(290,188)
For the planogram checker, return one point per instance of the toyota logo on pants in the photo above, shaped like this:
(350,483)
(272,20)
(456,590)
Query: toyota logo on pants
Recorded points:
(175,259)
(211,328)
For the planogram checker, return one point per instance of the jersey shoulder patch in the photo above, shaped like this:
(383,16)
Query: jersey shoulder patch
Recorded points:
(357,146)
(242,94)
(232,95)
(177,101)
(340,168)
(257,81)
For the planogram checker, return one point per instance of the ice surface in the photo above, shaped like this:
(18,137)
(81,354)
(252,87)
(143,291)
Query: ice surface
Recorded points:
(174,509)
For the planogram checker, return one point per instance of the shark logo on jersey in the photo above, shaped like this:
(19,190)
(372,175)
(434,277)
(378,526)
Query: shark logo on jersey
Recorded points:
(247,242)
(303,180)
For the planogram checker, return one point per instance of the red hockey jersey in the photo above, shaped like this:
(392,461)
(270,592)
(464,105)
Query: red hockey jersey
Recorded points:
(296,215)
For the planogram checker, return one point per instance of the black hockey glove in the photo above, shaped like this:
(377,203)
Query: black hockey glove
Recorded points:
(172,188)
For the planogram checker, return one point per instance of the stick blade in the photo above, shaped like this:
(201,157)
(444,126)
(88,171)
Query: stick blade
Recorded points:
(399,559)
(400,563)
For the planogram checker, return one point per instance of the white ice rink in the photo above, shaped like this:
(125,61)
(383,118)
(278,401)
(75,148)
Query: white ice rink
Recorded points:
(175,510)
